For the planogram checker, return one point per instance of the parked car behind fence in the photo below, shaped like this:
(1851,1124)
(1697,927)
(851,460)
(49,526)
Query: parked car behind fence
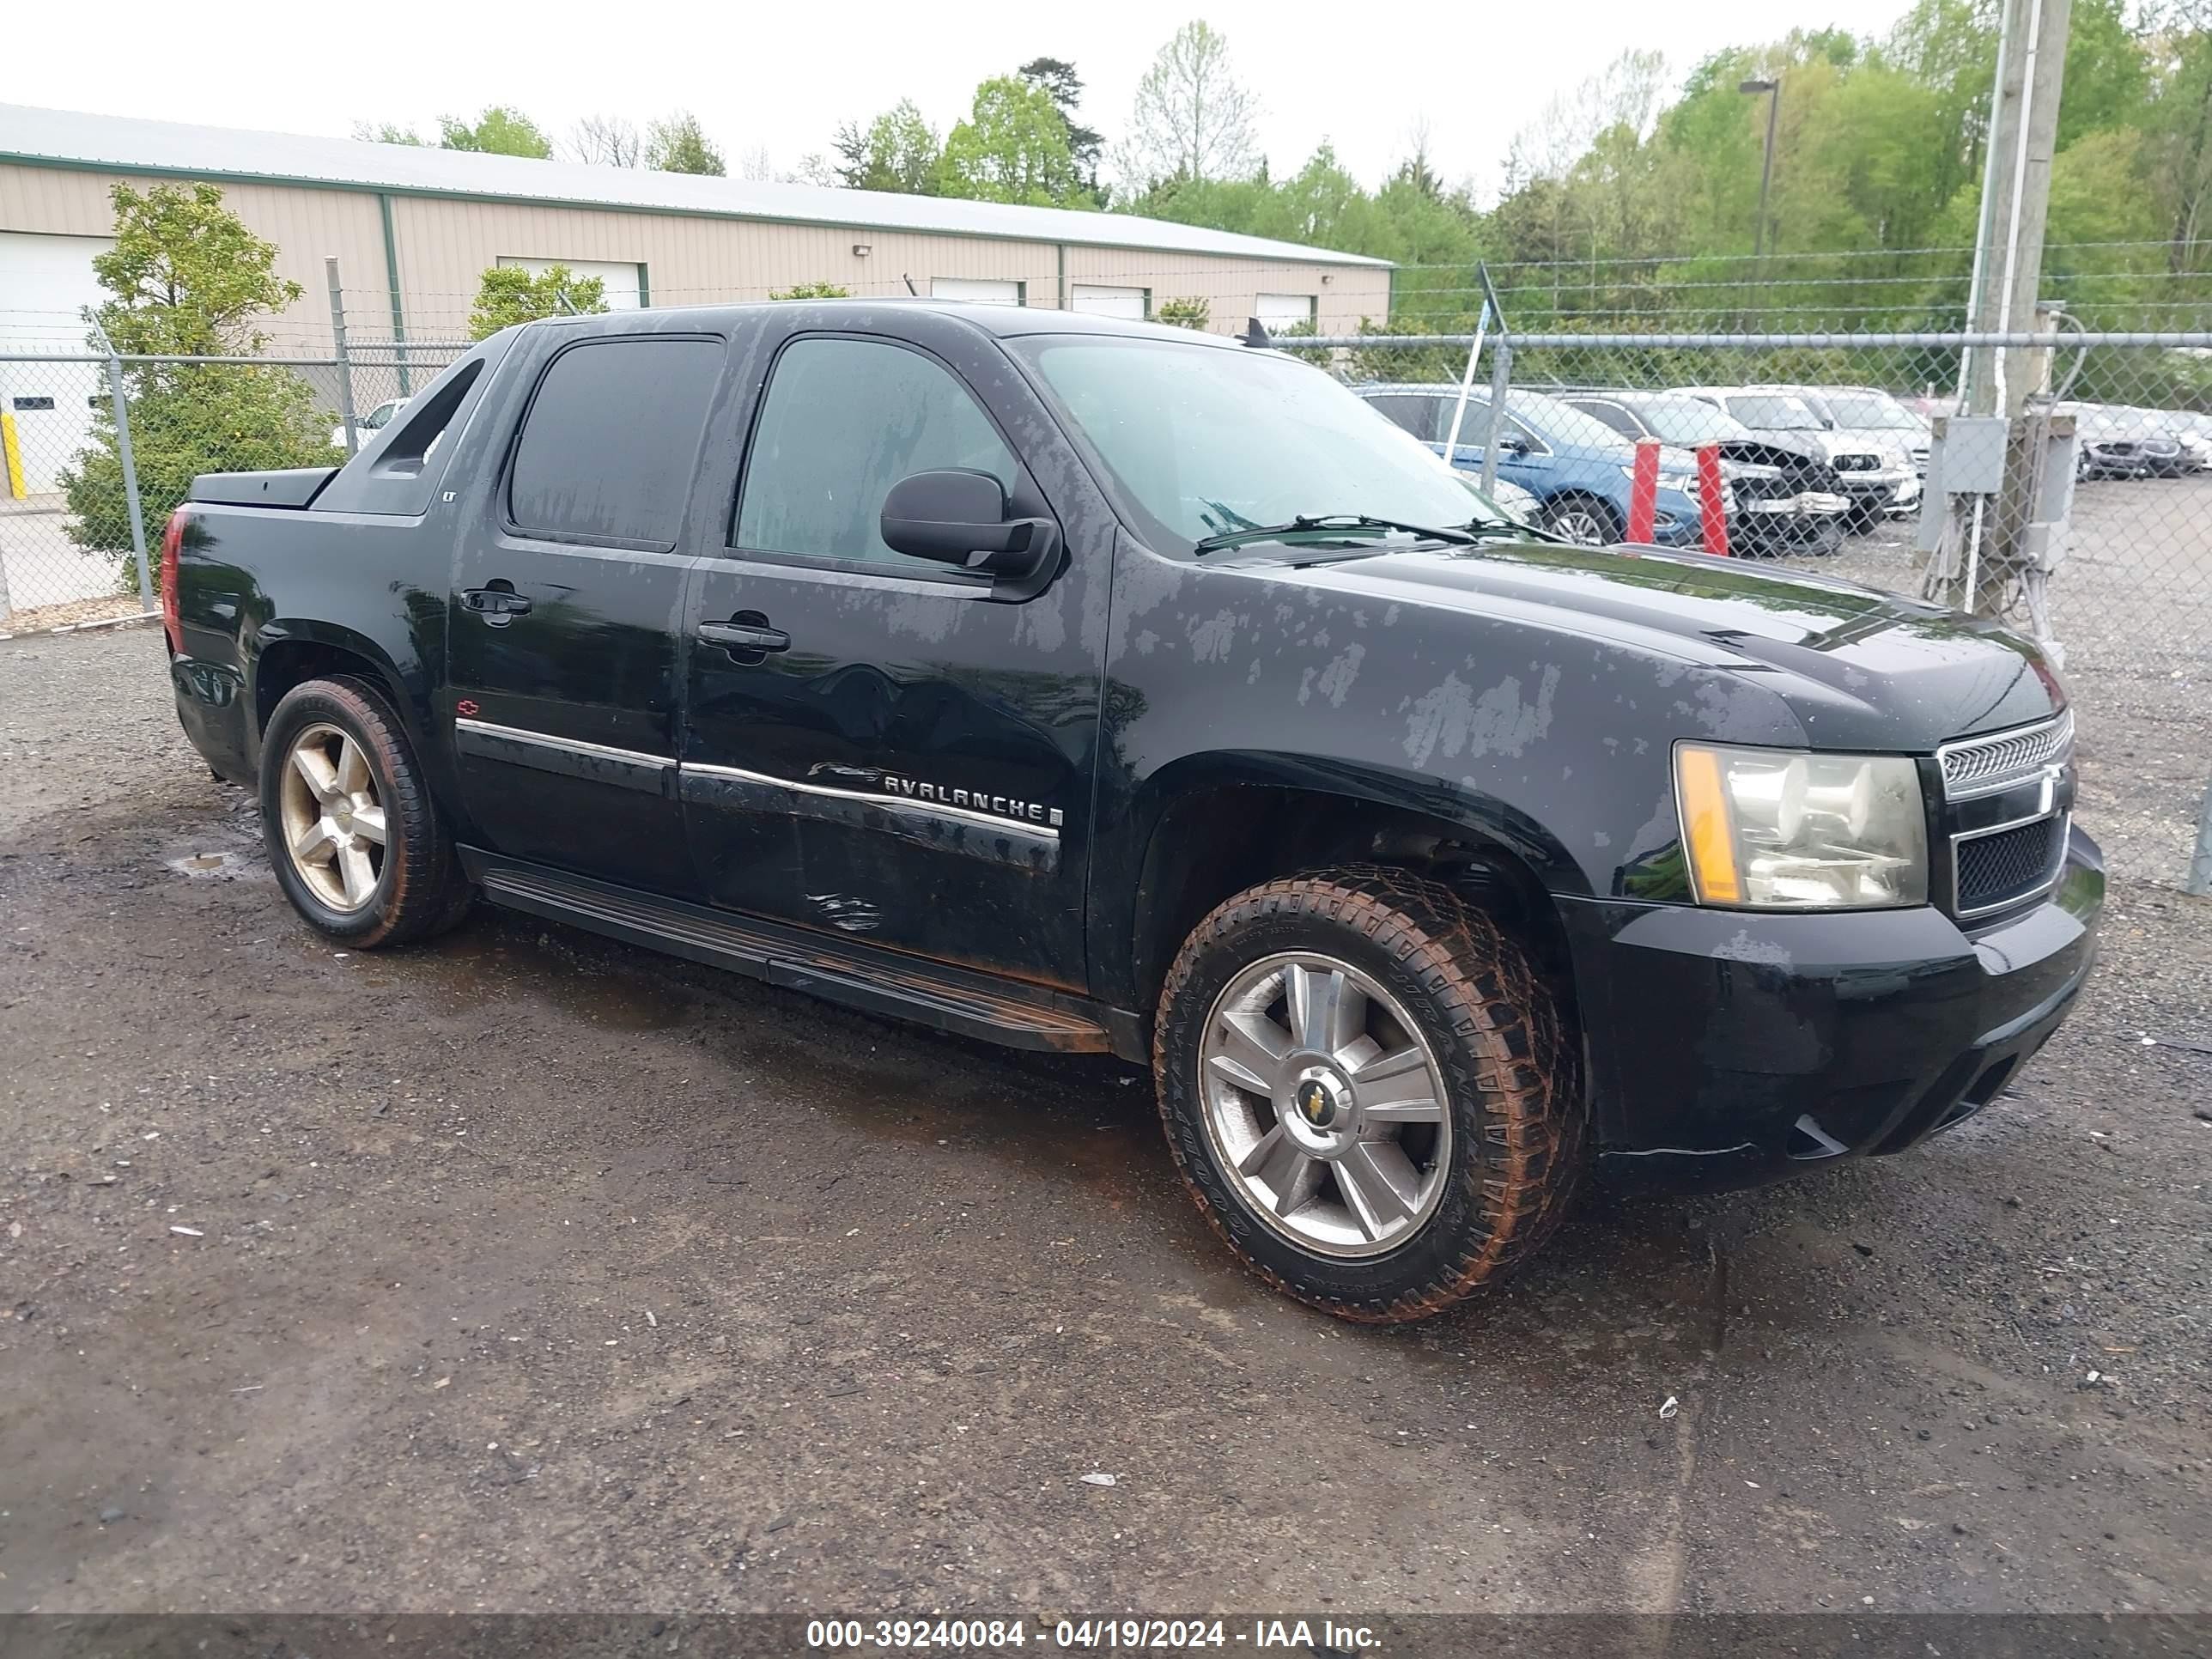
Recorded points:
(1786,498)
(1879,478)
(1578,468)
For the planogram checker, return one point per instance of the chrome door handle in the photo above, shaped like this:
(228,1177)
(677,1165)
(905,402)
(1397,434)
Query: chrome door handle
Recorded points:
(496,601)
(744,637)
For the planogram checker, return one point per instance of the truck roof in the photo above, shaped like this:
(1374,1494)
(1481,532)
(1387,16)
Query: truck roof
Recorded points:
(1003,321)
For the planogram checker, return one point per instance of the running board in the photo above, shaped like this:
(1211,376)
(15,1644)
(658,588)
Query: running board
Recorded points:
(876,981)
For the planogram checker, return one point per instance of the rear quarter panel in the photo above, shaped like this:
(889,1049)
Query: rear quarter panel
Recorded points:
(255,584)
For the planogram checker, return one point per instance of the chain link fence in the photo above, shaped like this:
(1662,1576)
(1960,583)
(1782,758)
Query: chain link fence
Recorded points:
(2128,583)
(96,451)
(1821,386)
(2123,580)
(1628,348)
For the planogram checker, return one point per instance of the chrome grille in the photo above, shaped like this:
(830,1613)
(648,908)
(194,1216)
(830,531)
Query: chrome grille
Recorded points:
(1995,870)
(1857,463)
(1979,763)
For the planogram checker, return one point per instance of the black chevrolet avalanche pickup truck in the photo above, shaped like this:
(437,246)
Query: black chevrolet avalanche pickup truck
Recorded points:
(1090,686)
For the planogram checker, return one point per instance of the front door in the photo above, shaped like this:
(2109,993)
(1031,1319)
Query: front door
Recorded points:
(564,627)
(879,745)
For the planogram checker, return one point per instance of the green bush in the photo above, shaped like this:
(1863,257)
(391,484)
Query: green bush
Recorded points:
(507,295)
(184,421)
(188,279)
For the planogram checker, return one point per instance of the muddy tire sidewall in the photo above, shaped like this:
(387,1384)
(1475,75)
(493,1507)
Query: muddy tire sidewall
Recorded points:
(1457,1246)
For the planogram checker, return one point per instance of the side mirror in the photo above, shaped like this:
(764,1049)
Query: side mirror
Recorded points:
(958,516)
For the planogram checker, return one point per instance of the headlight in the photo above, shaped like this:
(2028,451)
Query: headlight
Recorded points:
(1685,482)
(1784,830)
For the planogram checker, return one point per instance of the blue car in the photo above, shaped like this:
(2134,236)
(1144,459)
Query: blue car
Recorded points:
(1577,467)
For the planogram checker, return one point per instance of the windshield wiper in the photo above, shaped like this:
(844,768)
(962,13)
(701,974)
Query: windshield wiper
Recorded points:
(1478,529)
(1308,523)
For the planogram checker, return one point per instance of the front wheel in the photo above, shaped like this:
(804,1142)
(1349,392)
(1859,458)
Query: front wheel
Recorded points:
(1367,1089)
(1581,520)
(353,833)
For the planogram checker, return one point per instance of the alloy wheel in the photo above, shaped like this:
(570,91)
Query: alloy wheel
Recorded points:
(1579,525)
(1325,1105)
(333,820)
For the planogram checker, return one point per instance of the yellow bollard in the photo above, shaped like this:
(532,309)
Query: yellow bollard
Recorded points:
(14,453)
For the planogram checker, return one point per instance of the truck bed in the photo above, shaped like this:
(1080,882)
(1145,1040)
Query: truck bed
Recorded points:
(292,487)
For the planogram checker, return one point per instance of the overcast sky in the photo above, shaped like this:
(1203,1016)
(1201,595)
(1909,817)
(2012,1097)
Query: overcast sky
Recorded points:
(781,77)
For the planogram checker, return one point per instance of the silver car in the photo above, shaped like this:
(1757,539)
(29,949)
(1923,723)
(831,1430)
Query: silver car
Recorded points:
(1878,476)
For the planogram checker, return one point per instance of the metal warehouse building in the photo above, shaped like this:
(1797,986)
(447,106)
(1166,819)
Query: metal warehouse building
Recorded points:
(413,230)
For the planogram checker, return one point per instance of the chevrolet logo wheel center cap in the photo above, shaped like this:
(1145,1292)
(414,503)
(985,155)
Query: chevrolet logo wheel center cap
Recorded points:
(1313,1102)
(1316,1110)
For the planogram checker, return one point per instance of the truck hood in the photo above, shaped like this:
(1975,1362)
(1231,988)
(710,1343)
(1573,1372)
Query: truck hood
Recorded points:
(1860,669)
(1883,441)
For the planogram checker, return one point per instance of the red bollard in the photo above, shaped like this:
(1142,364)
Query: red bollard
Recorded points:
(1712,499)
(1643,491)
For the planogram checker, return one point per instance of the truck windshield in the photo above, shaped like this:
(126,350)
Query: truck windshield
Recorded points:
(1689,421)
(1870,410)
(1203,441)
(1773,412)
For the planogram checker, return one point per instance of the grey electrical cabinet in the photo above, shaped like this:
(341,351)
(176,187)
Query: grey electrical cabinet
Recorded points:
(1968,458)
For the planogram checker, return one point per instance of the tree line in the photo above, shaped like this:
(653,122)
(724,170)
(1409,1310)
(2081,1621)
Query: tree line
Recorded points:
(672,144)
(1620,202)
(1630,196)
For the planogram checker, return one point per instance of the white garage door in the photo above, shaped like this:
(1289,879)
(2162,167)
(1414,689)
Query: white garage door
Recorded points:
(45,282)
(624,282)
(1128,302)
(1282,310)
(980,290)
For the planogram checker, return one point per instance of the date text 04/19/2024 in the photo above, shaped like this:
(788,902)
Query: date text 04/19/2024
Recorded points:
(1090,1635)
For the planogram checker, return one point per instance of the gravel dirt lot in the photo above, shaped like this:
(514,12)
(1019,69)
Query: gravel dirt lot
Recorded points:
(531,1273)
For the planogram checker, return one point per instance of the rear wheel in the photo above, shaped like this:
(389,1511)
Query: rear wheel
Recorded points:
(1582,518)
(353,834)
(1366,1088)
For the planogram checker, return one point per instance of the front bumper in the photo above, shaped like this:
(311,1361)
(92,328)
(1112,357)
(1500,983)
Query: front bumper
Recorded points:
(1876,495)
(1728,1047)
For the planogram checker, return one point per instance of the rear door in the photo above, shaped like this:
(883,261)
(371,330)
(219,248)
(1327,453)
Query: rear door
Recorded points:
(904,752)
(564,626)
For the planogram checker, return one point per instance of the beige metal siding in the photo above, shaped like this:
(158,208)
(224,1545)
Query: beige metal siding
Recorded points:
(1230,288)
(446,244)
(305,224)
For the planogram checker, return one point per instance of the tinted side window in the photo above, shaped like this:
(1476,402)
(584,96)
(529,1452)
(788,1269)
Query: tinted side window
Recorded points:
(609,444)
(1514,428)
(1411,413)
(844,421)
(1614,416)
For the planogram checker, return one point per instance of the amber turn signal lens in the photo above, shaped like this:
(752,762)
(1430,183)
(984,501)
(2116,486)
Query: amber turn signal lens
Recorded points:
(1705,826)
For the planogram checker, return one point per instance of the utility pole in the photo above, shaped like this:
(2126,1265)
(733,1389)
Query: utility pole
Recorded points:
(1772,88)
(2009,275)
(2023,136)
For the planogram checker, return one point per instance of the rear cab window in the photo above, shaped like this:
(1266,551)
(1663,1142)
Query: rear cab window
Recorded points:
(610,443)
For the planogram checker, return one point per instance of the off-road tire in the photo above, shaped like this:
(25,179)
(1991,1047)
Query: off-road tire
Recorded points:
(1510,1070)
(420,891)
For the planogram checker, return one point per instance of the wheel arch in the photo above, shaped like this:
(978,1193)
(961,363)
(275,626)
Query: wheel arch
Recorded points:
(1569,496)
(291,653)
(1211,826)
